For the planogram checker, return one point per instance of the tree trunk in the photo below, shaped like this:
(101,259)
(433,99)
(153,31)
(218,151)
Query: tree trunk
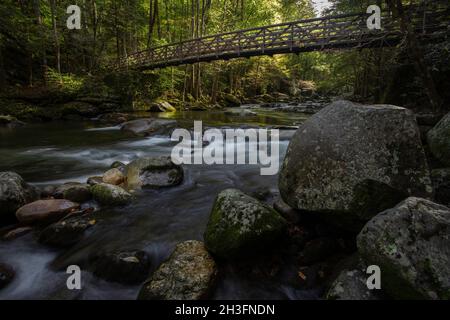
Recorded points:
(55,36)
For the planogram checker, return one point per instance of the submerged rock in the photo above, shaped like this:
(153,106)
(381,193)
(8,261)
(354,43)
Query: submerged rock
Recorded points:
(128,267)
(109,194)
(351,285)
(113,176)
(441,184)
(66,232)
(14,193)
(239,225)
(16,233)
(73,191)
(189,274)
(156,172)
(351,161)
(149,126)
(45,211)
(6,275)
(411,245)
(439,140)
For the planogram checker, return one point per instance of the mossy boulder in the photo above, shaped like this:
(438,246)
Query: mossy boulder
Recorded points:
(73,191)
(411,245)
(14,193)
(153,172)
(240,225)
(108,194)
(190,273)
(439,140)
(349,162)
(351,285)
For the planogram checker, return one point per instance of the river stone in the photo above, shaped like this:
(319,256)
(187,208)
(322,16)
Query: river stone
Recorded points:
(239,225)
(161,106)
(6,275)
(16,233)
(109,194)
(113,176)
(10,122)
(351,285)
(92,181)
(439,140)
(155,172)
(14,193)
(350,161)
(67,232)
(127,267)
(441,184)
(73,191)
(411,245)
(45,211)
(189,274)
(118,165)
(149,126)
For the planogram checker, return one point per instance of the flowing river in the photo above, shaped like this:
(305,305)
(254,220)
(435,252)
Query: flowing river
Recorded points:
(59,152)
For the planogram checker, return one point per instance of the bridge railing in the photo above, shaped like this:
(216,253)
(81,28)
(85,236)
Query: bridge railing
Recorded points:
(346,30)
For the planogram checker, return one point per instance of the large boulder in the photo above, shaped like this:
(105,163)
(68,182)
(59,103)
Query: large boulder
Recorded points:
(108,194)
(351,161)
(73,191)
(14,193)
(439,140)
(189,274)
(45,211)
(411,245)
(149,126)
(351,285)
(239,225)
(155,172)
(128,267)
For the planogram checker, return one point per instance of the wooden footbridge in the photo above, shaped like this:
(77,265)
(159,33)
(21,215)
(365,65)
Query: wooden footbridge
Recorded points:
(430,21)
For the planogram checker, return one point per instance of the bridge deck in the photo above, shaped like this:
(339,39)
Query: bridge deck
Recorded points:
(333,32)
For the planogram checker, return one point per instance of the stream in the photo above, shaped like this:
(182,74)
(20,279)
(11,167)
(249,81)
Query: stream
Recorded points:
(59,152)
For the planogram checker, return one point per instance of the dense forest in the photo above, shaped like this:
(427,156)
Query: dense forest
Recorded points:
(38,52)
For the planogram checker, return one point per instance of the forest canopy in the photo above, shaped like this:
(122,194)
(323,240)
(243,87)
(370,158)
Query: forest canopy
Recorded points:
(38,50)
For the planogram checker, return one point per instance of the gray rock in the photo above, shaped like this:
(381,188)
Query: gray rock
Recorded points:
(127,267)
(156,172)
(411,245)
(45,211)
(239,225)
(67,232)
(14,193)
(189,274)
(73,191)
(7,274)
(109,194)
(439,140)
(441,184)
(351,161)
(149,126)
(351,285)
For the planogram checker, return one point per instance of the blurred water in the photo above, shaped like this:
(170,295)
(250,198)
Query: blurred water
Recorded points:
(156,221)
